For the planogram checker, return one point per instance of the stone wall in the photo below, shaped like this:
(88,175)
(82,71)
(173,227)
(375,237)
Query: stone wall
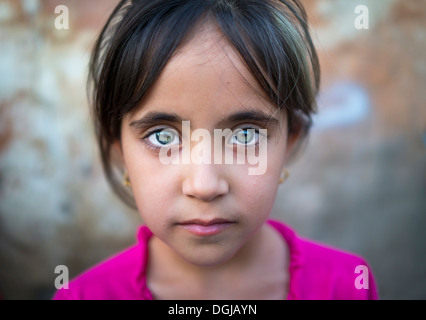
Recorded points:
(359,184)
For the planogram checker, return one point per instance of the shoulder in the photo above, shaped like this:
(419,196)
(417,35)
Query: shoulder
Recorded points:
(338,274)
(121,276)
(320,271)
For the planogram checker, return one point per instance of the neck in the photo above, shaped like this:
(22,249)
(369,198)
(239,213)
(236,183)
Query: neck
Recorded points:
(259,270)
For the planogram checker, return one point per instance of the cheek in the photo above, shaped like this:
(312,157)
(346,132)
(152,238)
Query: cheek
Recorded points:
(263,188)
(154,199)
(258,194)
(151,184)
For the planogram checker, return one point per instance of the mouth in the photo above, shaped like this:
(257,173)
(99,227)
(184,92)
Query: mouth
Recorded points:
(200,227)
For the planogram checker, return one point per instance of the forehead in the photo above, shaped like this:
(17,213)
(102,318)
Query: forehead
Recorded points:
(206,77)
(209,50)
(207,46)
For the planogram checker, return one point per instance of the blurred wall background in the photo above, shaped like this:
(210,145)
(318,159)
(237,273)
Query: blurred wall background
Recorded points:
(359,185)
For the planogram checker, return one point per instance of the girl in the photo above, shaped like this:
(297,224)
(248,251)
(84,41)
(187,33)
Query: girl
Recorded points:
(248,70)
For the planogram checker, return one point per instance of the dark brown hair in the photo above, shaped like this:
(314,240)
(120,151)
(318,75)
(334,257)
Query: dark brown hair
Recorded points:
(271,36)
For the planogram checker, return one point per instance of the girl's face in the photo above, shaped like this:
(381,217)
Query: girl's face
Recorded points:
(204,212)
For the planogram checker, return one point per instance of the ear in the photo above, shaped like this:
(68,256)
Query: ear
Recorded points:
(293,141)
(117,152)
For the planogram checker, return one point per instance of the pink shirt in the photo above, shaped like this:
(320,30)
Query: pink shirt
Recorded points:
(317,272)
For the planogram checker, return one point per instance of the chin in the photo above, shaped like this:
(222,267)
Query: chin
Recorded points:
(209,258)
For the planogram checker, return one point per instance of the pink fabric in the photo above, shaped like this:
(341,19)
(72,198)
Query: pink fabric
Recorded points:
(317,272)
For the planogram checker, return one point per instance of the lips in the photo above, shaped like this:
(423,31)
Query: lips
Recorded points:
(206,227)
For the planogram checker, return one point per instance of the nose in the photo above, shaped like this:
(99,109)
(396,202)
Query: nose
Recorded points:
(204,182)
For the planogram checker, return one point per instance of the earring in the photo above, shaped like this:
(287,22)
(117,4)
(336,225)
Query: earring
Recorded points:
(126,180)
(284,176)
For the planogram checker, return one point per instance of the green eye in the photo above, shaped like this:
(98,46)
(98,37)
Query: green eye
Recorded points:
(245,136)
(164,137)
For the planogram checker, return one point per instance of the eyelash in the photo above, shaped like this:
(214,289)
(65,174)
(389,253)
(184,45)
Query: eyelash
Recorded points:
(154,148)
(148,144)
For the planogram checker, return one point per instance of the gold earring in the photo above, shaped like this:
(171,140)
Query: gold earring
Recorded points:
(284,176)
(126,180)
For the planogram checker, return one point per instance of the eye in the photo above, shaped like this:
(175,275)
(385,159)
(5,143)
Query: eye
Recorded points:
(163,137)
(245,136)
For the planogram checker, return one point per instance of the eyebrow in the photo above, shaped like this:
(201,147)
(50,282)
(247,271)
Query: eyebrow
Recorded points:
(153,118)
(255,116)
